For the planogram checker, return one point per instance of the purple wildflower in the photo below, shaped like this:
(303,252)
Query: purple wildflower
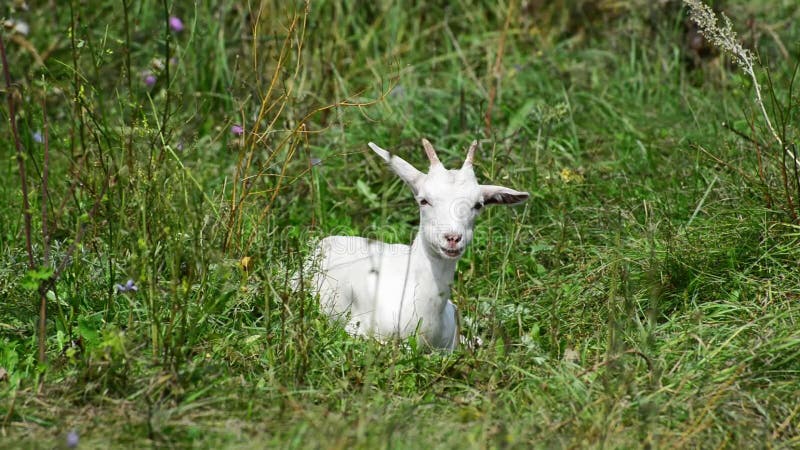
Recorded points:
(176,24)
(128,287)
(149,79)
(37,136)
(72,439)
(398,91)
(237,130)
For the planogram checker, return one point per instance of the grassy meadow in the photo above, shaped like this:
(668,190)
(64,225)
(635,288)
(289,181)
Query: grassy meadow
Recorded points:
(166,165)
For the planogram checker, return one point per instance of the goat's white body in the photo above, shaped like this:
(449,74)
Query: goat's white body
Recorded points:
(386,290)
(391,290)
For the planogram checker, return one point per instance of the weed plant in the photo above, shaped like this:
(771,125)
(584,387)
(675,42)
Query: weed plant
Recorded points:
(168,163)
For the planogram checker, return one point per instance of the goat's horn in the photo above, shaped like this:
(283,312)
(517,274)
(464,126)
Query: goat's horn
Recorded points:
(430,152)
(470,154)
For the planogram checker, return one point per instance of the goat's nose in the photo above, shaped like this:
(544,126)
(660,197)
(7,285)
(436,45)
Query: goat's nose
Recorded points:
(453,238)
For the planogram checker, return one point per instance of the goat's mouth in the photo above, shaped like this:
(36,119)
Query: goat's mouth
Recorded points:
(452,252)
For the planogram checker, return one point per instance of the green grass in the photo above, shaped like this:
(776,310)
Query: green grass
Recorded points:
(645,296)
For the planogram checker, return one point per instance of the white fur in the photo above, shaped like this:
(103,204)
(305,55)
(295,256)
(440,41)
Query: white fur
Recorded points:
(394,290)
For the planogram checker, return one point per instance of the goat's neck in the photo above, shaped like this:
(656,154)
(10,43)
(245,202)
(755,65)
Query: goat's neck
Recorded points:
(432,274)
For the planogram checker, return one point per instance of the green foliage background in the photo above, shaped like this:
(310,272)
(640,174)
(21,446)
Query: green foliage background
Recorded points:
(645,296)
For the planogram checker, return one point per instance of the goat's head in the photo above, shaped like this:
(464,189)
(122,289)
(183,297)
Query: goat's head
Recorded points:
(449,200)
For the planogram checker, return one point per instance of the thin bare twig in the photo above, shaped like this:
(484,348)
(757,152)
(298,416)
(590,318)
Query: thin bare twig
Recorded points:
(497,71)
(12,117)
(45,235)
(167,38)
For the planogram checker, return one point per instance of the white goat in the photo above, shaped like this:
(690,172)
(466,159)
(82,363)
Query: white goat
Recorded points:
(394,290)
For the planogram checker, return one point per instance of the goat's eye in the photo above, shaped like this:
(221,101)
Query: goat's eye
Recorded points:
(423,202)
(478,206)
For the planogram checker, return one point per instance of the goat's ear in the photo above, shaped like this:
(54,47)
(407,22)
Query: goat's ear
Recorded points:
(499,195)
(403,169)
